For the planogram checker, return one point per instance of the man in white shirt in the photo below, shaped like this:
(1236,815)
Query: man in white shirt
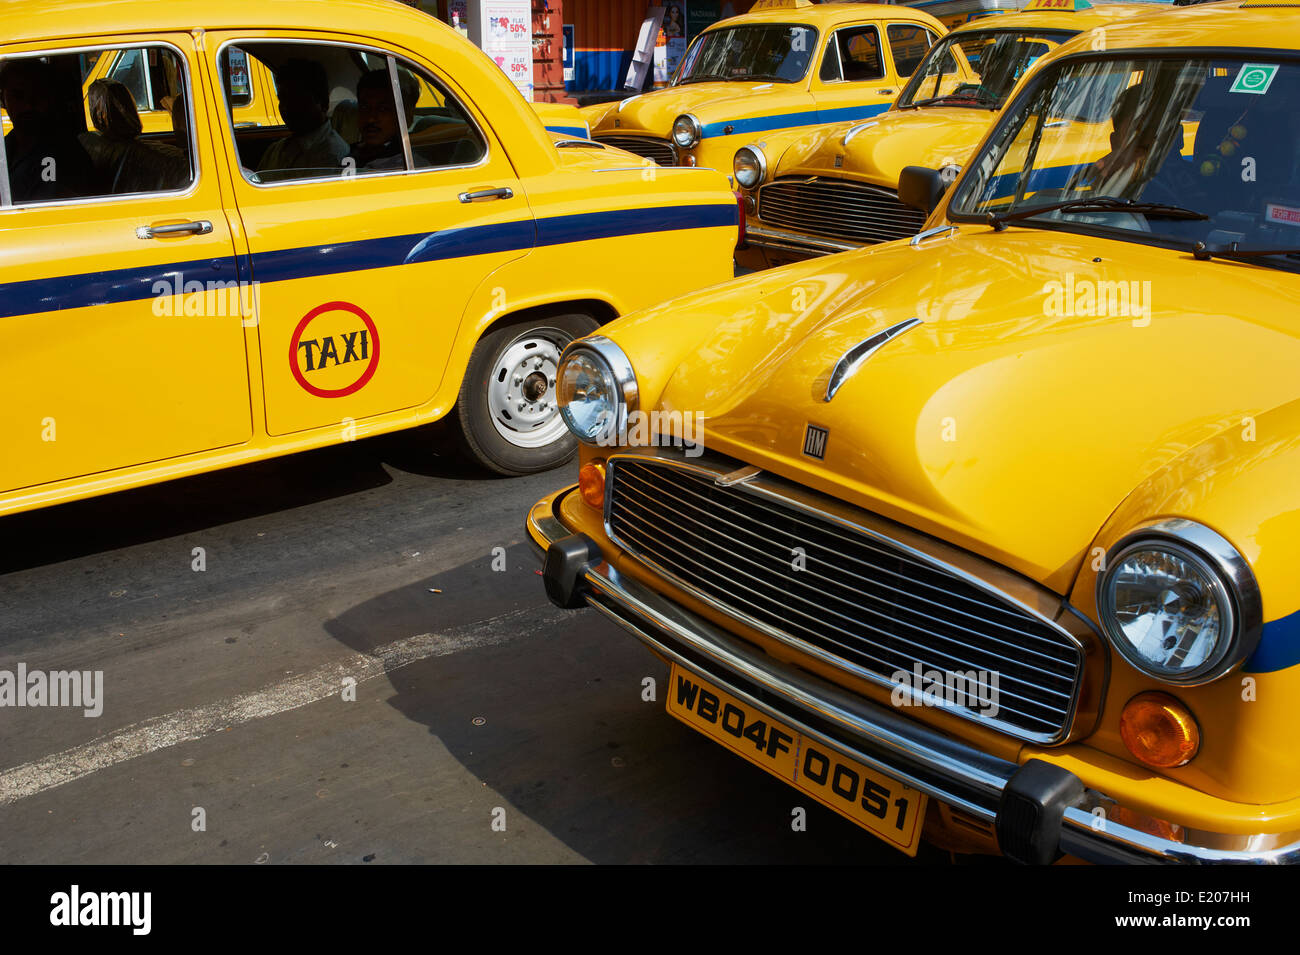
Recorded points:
(313,145)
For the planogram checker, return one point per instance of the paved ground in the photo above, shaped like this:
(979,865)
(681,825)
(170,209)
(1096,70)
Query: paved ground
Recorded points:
(223,688)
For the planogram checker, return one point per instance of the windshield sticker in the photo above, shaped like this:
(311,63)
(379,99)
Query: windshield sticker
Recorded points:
(1254,78)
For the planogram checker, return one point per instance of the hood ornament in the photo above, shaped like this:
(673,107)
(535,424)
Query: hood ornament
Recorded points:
(857,356)
(854,130)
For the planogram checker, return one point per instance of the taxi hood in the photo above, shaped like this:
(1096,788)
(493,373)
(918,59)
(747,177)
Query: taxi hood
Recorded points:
(934,136)
(710,102)
(1023,410)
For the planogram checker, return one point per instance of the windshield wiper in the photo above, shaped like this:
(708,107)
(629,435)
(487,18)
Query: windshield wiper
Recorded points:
(1232,250)
(702,78)
(955,99)
(1159,210)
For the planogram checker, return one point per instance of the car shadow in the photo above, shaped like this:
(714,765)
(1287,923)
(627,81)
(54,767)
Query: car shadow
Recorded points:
(174,508)
(547,710)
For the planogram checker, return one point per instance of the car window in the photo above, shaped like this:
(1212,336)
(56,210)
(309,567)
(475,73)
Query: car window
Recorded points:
(853,55)
(775,53)
(347,111)
(907,44)
(1174,141)
(73,134)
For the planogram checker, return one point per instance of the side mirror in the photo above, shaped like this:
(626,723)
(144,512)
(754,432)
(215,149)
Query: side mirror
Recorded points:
(921,188)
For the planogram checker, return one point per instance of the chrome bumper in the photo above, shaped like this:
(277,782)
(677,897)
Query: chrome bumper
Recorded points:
(780,241)
(946,769)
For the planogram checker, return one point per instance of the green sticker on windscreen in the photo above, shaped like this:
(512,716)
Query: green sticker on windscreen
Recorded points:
(1254,78)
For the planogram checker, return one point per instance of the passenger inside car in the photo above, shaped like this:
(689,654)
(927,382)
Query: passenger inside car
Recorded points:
(380,143)
(45,161)
(312,145)
(123,162)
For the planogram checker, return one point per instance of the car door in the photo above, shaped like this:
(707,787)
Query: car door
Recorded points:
(119,298)
(364,266)
(855,78)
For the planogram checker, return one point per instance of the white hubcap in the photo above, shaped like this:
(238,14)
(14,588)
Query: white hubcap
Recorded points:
(521,391)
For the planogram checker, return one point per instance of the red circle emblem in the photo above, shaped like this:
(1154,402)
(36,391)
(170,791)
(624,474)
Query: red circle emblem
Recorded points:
(371,365)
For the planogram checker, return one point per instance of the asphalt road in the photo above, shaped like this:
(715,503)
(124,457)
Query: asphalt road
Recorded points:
(365,570)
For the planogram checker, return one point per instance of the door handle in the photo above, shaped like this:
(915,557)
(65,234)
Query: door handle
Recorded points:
(201,227)
(886,92)
(487,195)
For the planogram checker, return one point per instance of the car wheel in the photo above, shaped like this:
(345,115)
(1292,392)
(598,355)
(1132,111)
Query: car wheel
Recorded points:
(508,416)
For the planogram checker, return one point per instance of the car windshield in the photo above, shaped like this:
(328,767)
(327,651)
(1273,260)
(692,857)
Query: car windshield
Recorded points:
(778,53)
(1151,149)
(995,58)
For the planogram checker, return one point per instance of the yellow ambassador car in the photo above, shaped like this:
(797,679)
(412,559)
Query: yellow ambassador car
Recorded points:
(782,65)
(991,536)
(815,192)
(219,293)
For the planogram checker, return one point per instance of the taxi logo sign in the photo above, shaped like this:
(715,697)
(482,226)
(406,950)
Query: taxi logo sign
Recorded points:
(344,336)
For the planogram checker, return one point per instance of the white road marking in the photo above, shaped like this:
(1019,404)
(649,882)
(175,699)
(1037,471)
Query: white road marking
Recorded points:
(183,726)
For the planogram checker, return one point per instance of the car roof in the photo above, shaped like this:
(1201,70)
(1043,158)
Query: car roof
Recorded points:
(28,20)
(828,14)
(1098,15)
(1265,24)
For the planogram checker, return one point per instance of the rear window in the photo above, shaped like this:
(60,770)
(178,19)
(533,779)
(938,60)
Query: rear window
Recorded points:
(87,125)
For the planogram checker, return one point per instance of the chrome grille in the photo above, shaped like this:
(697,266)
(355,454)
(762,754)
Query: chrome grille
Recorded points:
(839,209)
(860,601)
(660,150)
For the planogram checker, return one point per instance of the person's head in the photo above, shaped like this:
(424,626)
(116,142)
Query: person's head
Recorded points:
(304,93)
(674,13)
(376,111)
(1130,130)
(26,91)
(112,110)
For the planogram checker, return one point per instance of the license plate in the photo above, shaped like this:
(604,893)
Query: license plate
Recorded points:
(875,802)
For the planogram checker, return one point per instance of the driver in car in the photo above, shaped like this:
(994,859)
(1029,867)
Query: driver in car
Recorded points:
(304,93)
(1128,169)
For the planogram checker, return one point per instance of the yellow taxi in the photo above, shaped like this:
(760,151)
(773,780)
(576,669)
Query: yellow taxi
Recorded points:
(220,292)
(814,192)
(990,537)
(783,65)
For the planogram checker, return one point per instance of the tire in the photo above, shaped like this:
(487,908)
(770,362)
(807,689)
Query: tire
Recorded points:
(512,365)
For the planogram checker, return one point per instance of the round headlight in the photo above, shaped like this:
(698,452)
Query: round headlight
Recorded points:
(687,131)
(1171,601)
(597,390)
(750,166)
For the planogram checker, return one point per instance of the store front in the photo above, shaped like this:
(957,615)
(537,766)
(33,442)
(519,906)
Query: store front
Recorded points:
(584,49)
(606,35)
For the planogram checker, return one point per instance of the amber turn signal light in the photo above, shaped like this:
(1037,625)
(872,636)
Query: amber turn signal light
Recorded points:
(591,482)
(1159,730)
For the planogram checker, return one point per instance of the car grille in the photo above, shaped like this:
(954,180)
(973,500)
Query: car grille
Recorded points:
(660,150)
(839,209)
(863,601)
